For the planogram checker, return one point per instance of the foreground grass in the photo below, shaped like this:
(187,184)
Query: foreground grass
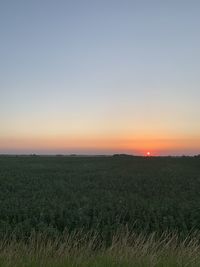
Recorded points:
(85,250)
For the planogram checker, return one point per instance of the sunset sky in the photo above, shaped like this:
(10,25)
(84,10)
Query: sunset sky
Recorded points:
(100,76)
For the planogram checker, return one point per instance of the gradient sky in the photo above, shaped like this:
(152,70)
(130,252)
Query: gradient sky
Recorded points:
(100,76)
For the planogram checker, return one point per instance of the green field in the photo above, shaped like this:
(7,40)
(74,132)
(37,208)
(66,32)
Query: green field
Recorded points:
(99,211)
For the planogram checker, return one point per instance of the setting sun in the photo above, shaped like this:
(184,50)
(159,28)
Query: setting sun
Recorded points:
(148,154)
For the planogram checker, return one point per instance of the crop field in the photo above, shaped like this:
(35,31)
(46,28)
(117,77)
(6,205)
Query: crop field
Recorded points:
(99,211)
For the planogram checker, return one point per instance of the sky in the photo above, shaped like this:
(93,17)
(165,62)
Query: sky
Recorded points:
(100,77)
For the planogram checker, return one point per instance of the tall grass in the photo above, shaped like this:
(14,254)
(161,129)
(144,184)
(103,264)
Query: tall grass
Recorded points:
(79,249)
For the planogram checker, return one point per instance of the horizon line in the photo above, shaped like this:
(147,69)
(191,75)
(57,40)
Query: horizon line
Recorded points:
(94,155)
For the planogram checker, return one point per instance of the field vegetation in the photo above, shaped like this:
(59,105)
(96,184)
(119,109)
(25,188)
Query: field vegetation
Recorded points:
(99,211)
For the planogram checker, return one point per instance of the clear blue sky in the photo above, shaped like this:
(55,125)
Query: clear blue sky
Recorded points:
(100,76)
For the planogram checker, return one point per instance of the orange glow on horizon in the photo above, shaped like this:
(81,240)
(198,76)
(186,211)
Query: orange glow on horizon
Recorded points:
(96,144)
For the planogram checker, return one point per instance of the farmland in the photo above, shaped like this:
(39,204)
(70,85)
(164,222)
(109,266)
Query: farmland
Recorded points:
(55,196)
